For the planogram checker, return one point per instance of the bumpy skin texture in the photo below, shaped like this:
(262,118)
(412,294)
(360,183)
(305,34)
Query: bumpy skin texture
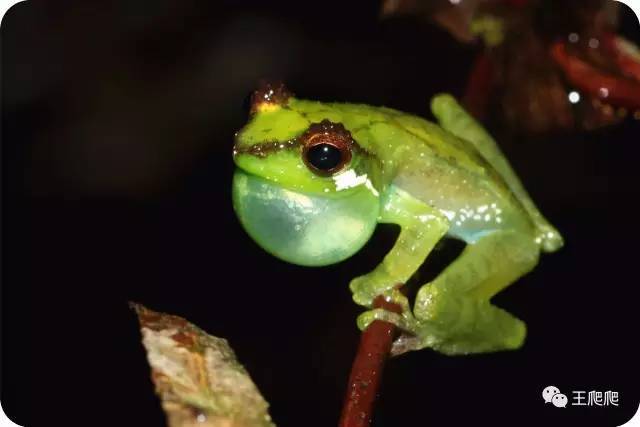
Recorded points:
(432,180)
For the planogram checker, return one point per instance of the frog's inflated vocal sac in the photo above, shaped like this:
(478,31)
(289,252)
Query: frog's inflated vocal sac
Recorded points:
(313,179)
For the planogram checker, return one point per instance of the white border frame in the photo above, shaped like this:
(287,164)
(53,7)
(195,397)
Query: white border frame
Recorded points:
(5,5)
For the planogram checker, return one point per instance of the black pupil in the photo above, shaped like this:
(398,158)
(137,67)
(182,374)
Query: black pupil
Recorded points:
(324,157)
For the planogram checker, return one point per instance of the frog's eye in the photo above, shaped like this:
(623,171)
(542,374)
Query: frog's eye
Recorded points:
(327,147)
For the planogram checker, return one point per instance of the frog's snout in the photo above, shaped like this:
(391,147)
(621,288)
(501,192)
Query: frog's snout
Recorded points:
(304,229)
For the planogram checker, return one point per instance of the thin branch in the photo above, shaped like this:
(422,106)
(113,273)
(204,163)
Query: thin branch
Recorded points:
(366,372)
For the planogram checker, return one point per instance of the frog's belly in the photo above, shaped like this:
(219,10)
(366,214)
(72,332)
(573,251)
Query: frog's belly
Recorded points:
(473,207)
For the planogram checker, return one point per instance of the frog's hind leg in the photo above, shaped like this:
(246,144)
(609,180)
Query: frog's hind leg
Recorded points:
(457,121)
(453,312)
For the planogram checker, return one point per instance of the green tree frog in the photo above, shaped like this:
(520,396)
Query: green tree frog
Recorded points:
(313,179)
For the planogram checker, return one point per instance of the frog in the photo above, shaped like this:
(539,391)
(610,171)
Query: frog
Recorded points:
(313,179)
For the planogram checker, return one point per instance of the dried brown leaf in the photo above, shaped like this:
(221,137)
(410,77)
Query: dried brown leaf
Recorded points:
(197,376)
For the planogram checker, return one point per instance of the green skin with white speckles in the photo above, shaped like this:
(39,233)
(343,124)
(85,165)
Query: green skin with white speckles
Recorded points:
(433,180)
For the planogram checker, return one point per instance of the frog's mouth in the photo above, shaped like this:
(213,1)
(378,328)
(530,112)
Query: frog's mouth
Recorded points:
(301,228)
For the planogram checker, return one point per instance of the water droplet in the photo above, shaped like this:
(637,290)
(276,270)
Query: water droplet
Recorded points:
(603,92)
(574,97)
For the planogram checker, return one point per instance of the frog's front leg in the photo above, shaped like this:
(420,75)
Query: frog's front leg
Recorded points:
(422,226)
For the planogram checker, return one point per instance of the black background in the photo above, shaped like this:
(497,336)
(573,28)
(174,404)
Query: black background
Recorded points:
(118,121)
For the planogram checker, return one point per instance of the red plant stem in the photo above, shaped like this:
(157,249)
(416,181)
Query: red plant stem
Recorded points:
(628,62)
(479,86)
(620,92)
(368,365)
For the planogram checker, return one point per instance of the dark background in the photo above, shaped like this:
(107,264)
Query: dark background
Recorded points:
(117,127)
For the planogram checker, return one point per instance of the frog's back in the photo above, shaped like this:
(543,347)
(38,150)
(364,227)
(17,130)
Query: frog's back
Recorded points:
(398,138)
(379,130)
(453,168)
(439,168)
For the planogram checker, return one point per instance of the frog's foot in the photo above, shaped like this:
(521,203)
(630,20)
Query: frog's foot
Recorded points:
(403,320)
(368,317)
(391,296)
(460,324)
(454,313)
(449,324)
(367,287)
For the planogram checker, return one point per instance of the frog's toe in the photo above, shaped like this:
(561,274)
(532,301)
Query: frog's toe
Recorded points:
(360,288)
(366,288)
(368,317)
(549,239)
(511,332)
